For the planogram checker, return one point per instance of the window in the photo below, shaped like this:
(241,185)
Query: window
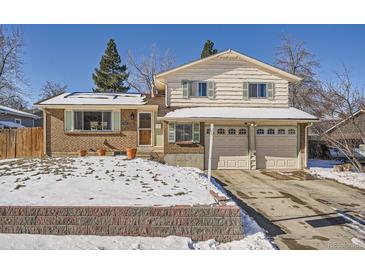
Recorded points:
(92,120)
(260,131)
(184,132)
(231,131)
(198,89)
(281,131)
(221,131)
(257,90)
(208,130)
(242,131)
(18,121)
(270,131)
(291,131)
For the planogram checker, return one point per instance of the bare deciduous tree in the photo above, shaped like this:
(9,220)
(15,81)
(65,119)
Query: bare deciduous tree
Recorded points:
(340,101)
(51,89)
(142,72)
(295,58)
(11,68)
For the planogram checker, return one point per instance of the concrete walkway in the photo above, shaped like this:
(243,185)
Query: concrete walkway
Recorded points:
(297,211)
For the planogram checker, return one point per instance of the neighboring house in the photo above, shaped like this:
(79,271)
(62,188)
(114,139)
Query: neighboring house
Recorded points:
(350,128)
(39,113)
(13,118)
(246,101)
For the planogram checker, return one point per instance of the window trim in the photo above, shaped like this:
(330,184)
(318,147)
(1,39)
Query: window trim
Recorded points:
(192,132)
(18,119)
(197,88)
(91,110)
(257,83)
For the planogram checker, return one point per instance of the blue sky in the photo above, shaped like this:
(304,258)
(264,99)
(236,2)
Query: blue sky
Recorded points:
(69,53)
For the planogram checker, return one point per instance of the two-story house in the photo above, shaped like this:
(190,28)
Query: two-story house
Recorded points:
(244,101)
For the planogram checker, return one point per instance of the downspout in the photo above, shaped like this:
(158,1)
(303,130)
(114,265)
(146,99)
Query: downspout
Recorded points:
(306,145)
(166,104)
(210,151)
(44,132)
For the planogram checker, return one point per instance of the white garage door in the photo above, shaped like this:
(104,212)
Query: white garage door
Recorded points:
(276,148)
(230,147)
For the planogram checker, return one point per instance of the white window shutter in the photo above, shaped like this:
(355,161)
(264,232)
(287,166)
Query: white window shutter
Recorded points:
(185,88)
(68,120)
(270,90)
(116,121)
(245,91)
(196,132)
(211,90)
(171,133)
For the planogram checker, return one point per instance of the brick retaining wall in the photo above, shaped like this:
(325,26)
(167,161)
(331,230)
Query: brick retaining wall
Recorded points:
(200,223)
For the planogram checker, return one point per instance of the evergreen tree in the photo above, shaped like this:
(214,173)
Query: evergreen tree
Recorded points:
(208,49)
(111,75)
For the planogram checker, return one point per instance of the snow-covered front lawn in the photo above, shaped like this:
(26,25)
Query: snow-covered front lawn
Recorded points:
(324,169)
(111,181)
(103,181)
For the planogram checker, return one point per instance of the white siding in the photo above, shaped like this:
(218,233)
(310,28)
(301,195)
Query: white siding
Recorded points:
(228,75)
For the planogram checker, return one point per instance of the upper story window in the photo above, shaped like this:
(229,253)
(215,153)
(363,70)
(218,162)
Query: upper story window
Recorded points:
(93,120)
(198,89)
(257,90)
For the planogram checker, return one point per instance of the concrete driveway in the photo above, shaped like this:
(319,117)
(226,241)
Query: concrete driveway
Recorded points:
(297,210)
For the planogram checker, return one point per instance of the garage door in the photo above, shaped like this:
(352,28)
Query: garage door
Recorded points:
(276,148)
(230,147)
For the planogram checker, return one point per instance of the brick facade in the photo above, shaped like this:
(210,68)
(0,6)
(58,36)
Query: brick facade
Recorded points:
(174,148)
(200,223)
(61,142)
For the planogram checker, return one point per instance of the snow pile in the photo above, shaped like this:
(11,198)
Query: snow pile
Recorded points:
(103,181)
(36,242)
(324,169)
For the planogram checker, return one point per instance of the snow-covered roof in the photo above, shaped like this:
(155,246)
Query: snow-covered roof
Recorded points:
(239,113)
(13,111)
(9,124)
(91,98)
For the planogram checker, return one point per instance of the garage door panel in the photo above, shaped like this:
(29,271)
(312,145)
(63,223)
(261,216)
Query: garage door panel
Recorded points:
(230,151)
(277,151)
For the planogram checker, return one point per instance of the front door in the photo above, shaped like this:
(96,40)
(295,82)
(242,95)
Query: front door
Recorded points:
(144,128)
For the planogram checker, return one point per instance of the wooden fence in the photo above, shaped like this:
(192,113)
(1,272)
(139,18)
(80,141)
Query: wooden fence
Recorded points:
(21,143)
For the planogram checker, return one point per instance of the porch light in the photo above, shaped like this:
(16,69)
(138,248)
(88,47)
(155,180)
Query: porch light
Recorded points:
(132,116)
